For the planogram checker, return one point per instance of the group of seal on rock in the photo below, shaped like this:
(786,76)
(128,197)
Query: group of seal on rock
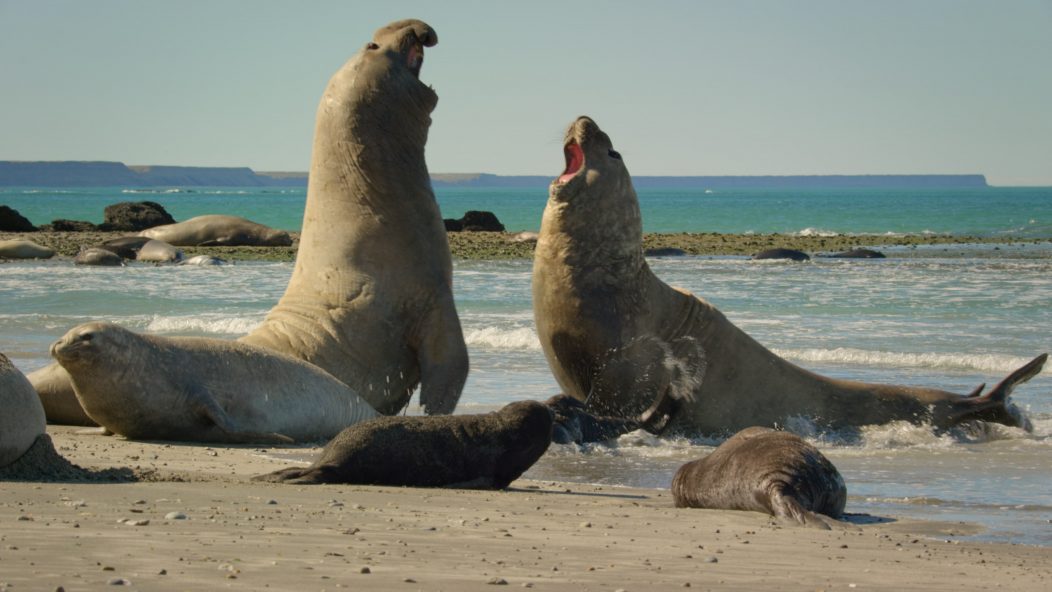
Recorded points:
(618,338)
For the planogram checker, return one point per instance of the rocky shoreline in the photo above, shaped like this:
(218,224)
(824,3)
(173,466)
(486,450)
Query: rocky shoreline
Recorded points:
(505,245)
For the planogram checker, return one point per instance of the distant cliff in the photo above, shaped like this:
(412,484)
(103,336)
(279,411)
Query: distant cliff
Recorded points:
(116,174)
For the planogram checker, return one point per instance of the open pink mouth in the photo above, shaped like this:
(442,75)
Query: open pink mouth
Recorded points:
(415,59)
(574,161)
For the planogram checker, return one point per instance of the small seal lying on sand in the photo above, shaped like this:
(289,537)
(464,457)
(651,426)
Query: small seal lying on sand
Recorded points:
(371,300)
(21,415)
(486,451)
(618,337)
(98,256)
(764,470)
(158,251)
(152,387)
(218,230)
(791,254)
(24,249)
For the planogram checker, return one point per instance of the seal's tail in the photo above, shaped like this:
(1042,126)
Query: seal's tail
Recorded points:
(994,405)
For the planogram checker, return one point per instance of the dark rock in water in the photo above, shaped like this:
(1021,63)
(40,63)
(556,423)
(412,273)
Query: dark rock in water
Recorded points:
(475,221)
(782,254)
(858,254)
(135,216)
(61,225)
(125,246)
(12,221)
(665,252)
(98,256)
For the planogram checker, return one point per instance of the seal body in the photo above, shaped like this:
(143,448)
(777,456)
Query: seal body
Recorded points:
(370,299)
(486,451)
(158,251)
(126,246)
(213,230)
(53,386)
(21,414)
(203,390)
(98,256)
(764,470)
(24,249)
(618,338)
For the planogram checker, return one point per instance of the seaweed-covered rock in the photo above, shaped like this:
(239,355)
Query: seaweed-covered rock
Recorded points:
(12,221)
(135,216)
(62,225)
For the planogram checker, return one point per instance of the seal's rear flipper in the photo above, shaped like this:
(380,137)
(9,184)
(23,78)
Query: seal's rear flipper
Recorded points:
(281,476)
(206,407)
(994,405)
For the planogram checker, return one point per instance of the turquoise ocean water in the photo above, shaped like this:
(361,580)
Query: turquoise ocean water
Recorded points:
(948,317)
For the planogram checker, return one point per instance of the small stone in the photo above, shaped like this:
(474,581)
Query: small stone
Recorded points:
(365,570)
(409,581)
(586,525)
(175,516)
(163,572)
(711,559)
(351,530)
(118,582)
(497,582)
(272,502)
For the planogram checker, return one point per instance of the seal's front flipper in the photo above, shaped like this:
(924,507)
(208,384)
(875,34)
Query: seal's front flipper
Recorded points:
(208,410)
(443,358)
(282,475)
(994,406)
(99,431)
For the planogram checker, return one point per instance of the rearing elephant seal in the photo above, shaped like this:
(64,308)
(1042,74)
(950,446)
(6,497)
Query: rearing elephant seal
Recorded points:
(202,390)
(763,470)
(370,299)
(617,337)
(486,451)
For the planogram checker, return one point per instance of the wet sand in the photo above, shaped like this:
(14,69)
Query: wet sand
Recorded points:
(504,245)
(195,521)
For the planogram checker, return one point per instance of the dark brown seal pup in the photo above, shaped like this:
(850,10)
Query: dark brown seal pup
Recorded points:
(486,451)
(618,338)
(764,470)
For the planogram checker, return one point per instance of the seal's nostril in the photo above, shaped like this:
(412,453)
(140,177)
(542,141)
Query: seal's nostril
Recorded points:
(372,45)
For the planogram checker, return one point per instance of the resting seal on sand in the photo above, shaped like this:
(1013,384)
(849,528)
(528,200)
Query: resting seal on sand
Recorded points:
(762,470)
(617,337)
(218,230)
(24,249)
(203,390)
(21,415)
(53,386)
(370,299)
(98,256)
(158,251)
(486,451)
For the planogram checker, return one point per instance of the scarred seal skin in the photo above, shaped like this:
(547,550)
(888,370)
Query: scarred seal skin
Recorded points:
(618,338)
(21,415)
(763,470)
(370,299)
(151,387)
(486,451)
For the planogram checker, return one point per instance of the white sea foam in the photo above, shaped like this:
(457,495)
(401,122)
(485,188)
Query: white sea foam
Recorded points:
(816,232)
(500,338)
(986,363)
(206,324)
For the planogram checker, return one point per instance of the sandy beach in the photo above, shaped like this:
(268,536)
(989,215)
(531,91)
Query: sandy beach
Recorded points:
(507,245)
(193,520)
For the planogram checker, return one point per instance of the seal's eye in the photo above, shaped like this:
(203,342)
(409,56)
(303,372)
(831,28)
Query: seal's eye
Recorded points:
(371,45)
(87,336)
(615,154)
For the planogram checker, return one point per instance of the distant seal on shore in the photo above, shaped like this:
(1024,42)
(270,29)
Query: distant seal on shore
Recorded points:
(858,254)
(617,337)
(24,249)
(764,470)
(213,230)
(98,256)
(370,299)
(53,386)
(202,390)
(486,451)
(125,246)
(21,415)
(791,254)
(158,251)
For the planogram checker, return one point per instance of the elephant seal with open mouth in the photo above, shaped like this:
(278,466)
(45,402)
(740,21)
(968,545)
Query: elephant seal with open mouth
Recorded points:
(371,299)
(618,338)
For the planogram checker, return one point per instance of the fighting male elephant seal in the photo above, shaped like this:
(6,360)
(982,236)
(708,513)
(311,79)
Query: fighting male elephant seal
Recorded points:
(486,451)
(617,337)
(370,299)
(218,230)
(764,470)
(203,390)
(21,415)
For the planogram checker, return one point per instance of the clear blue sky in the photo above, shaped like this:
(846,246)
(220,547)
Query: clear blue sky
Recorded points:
(686,87)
